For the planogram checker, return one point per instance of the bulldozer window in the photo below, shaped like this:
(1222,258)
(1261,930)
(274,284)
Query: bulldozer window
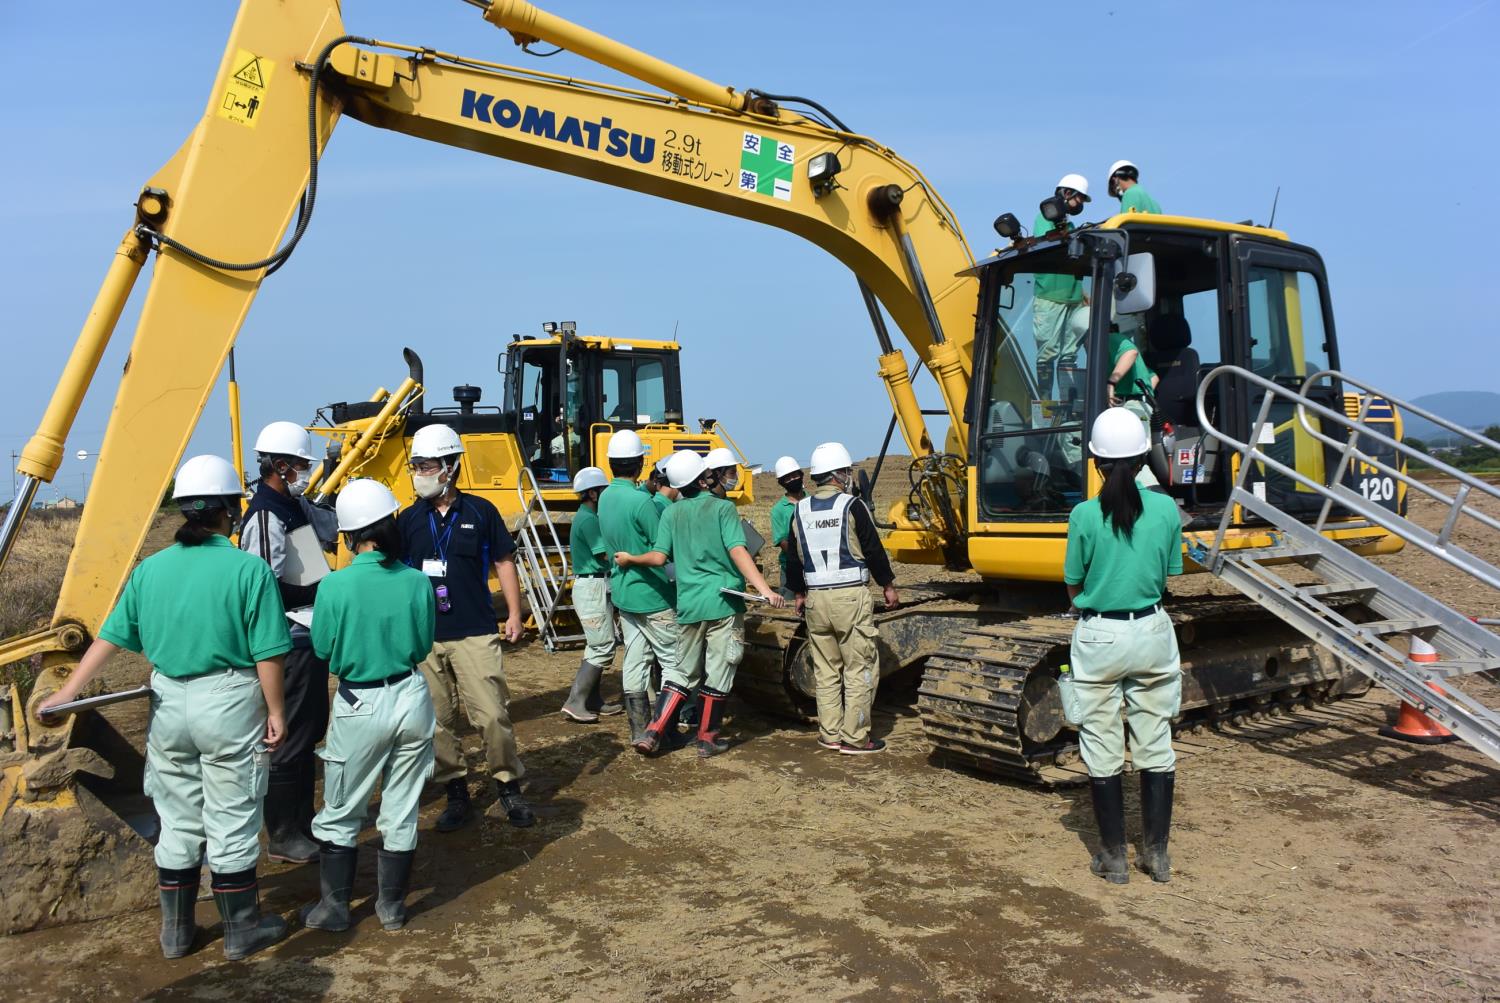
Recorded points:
(634,390)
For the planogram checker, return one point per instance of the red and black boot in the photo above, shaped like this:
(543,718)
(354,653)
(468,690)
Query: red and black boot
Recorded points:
(710,718)
(668,701)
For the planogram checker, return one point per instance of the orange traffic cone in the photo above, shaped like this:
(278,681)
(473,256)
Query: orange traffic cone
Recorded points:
(1411,724)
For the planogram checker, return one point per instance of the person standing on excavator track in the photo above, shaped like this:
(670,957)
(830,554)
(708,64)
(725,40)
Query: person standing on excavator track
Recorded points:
(457,540)
(209,619)
(591,564)
(836,549)
(643,596)
(1122,546)
(1059,310)
(703,535)
(275,522)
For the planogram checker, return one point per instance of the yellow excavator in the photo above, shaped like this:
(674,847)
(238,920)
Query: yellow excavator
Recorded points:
(990,499)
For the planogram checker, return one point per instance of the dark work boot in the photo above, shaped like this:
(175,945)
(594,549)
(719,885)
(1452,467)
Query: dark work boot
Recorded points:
(394,881)
(710,717)
(663,720)
(638,713)
(689,716)
(245,930)
(179,897)
(1044,380)
(459,807)
(336,882)
(1110,862)
(517,811)
(575,708)
(283,807)
(595,701)
(1156,823)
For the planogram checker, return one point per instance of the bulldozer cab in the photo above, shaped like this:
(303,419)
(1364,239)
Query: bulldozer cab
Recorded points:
(1187,295)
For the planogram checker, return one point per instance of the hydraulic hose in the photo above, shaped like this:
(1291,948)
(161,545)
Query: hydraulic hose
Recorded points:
(794,99)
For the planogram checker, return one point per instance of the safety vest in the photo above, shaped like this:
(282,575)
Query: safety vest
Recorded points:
(828,562)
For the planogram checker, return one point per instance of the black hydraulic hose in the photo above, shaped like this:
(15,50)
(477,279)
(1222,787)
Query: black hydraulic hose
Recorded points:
(794,99)
(309,194)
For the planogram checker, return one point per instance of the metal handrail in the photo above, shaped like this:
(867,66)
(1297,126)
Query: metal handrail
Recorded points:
(1439,545)
(538,564)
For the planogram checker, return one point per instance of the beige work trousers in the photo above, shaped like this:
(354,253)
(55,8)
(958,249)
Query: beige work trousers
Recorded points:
(846,665)
(469,669)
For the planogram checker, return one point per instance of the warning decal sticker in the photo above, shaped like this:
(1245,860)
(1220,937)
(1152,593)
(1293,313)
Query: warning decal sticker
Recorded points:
(245,93)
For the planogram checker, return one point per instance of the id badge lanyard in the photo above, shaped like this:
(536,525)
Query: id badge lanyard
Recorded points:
(437,568)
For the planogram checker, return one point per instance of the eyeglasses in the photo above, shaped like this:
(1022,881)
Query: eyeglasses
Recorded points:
(425,466)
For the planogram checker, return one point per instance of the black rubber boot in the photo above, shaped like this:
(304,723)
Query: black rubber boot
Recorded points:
(283,807)
(575,708)
(1156,823)
(1044,379)
(710,718)
(595,701)
(690,715)
(179,898)
(245,930)
(393,882)
(517,811)
(459,807)
(663,720)
(1110,863)
(336,882)
(638,713)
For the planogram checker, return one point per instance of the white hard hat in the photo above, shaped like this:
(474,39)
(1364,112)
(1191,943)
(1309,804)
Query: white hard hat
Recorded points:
(786,465)
(362,503)
(284,438)
(433,442)
(828,457)
(206,477)
(625,445)
(661,465)
(1120,165)
(1078,183)
(684,467)
(589,478)
(721,457)
(1118,434)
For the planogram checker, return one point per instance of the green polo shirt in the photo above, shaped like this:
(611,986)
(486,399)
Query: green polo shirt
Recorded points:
(192,610)
(781,525)
(371,622)
(1137,199)
(1119,344)
(697,534)
(585,545)
(627,521)
(1118,573)
(662,502)
(1054,288)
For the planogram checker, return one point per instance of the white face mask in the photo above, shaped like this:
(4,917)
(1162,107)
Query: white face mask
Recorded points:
(303,479)
(427,485)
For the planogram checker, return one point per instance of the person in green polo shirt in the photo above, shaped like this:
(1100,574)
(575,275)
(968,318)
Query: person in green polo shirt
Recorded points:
(1125,185)
(1128,373)
(209,618)
(1122,546)
(702,534)
(641,595)
(789,476)
(373,621)
(1059,310)
(657,487)
(590,590)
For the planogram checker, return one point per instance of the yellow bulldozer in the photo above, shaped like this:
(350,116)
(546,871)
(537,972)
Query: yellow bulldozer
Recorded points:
(989,498)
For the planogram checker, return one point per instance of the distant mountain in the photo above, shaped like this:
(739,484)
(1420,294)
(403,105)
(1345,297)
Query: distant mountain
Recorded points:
(1475,409)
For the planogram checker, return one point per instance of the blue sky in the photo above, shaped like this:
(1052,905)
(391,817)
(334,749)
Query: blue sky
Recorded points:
(1375,120)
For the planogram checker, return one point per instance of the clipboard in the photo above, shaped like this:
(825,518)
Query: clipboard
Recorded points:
(747,596)
(305,563)
(301,616)
(103,700)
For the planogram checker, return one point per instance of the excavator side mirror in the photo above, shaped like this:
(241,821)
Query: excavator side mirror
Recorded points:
(1135,286)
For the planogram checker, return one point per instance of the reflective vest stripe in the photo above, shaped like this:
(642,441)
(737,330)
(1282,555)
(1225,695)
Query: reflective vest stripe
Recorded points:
(823,537)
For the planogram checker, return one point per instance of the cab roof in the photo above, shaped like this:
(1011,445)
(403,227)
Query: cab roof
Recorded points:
(599,343)
(1132,220)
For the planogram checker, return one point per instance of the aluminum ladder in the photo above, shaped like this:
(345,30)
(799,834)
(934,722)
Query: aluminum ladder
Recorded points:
(542,564)
(1464,646)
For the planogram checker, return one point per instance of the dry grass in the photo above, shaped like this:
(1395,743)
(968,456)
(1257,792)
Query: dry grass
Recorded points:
(29,585)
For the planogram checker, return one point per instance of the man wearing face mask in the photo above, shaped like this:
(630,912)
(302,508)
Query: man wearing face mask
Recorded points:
(457,539)
(1059,310)
(725,468)
(274,522)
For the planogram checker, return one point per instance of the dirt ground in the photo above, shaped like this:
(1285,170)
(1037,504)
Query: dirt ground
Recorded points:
(1326,863)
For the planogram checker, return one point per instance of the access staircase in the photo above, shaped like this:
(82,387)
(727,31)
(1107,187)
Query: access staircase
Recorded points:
(1464,647)
(542,565)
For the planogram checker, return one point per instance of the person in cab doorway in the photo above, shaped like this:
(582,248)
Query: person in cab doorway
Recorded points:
(1129,381)
(726,470)
(457,539)
(1125,185)
(642,595)
(1059,310)
(277,529)
(1122,546)
(703,536)
(209,619)
(591,564)
(836,550)
(789,476)
(374,622)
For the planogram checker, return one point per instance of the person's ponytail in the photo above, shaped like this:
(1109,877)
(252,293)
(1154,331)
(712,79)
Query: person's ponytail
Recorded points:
(1120,498)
